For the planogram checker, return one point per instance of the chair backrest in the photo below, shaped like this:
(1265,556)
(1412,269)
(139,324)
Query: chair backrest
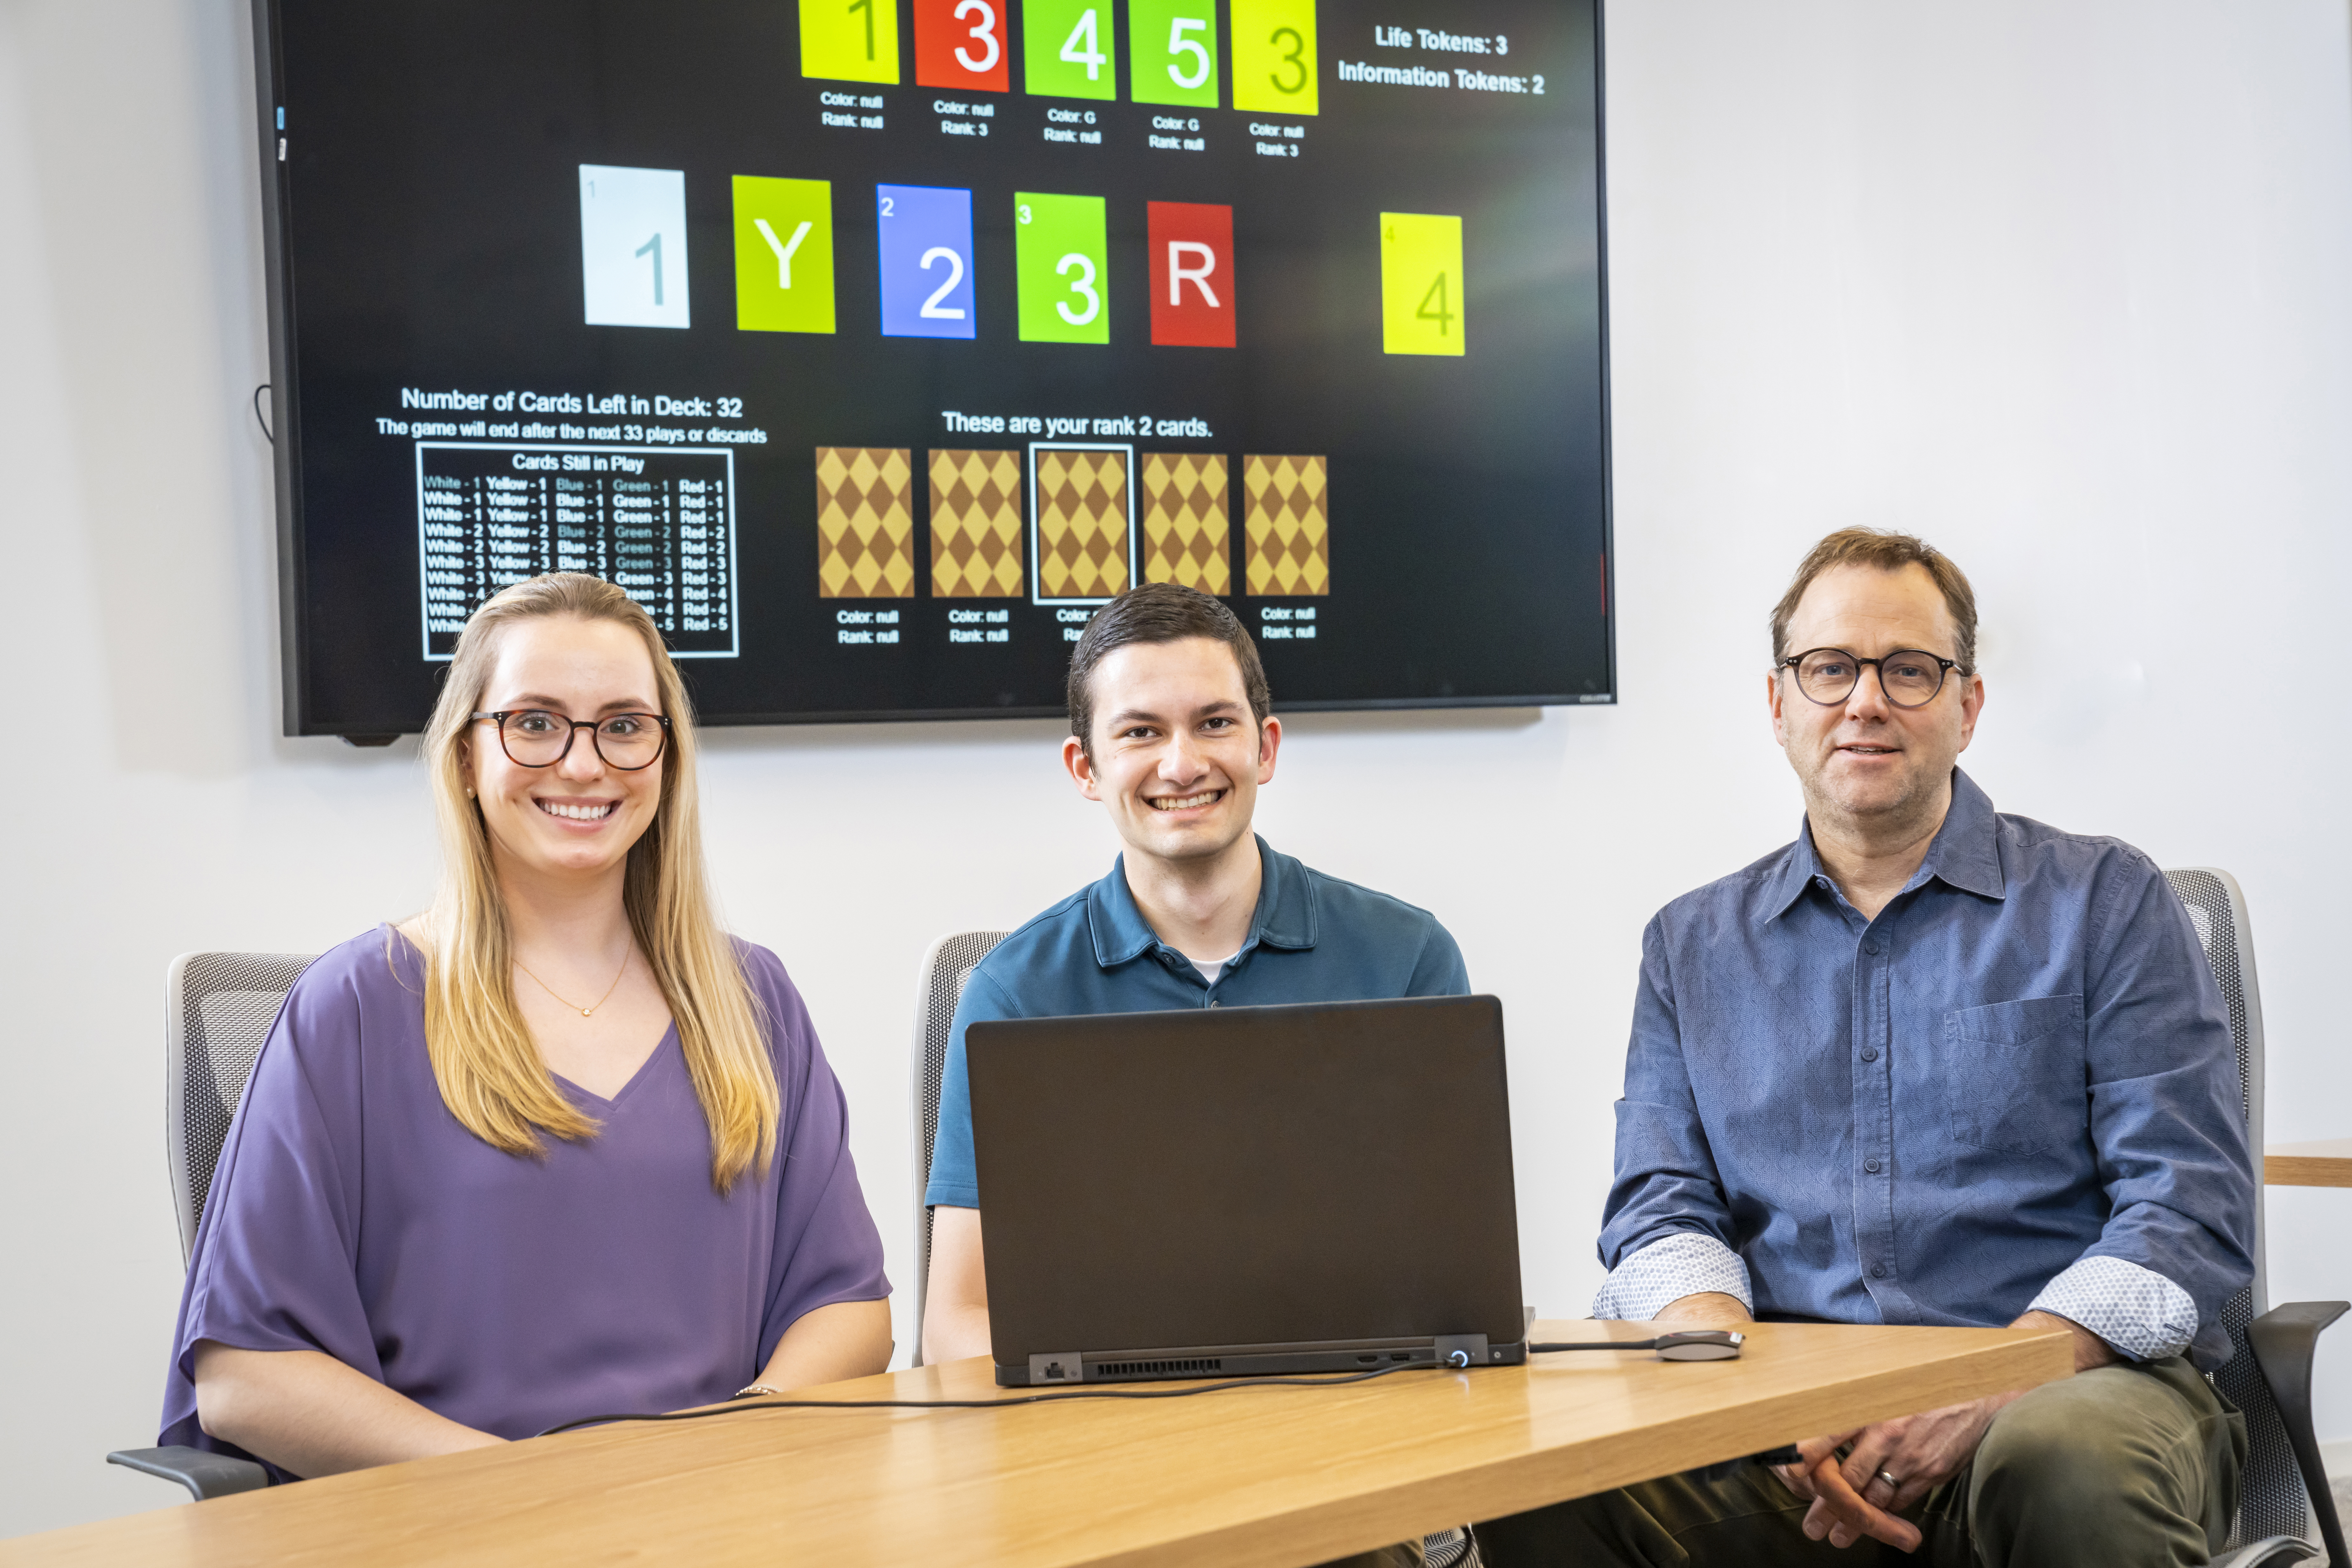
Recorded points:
(219,1008)
(2273,1501)
(938,989)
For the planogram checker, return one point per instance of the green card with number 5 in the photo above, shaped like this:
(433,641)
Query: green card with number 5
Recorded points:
(1172,52)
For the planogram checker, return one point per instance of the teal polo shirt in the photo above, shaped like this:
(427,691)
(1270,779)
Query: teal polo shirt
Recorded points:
(1313,938)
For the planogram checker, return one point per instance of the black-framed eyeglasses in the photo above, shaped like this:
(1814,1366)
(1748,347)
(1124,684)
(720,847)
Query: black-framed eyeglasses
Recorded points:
(1910,677)
(535,738)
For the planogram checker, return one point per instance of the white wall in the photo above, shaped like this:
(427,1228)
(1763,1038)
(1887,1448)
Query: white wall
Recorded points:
(2061,285)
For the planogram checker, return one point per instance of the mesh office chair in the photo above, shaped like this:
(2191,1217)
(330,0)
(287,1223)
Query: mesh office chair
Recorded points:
(938,989)
(219,1008)
(2269,1378)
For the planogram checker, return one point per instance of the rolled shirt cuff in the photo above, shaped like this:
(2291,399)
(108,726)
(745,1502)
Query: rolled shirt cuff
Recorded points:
(2138,1310)
(1686,1263)
(1446,1549)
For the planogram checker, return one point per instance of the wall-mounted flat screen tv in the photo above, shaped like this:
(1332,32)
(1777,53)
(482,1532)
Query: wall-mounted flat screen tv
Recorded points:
(873,344)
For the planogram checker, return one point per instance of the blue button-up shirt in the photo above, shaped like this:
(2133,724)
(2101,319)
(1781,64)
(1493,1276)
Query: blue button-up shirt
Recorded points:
(1313,938)
(2015,1088)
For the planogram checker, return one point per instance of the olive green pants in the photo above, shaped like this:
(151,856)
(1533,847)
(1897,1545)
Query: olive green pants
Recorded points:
(2135,1466)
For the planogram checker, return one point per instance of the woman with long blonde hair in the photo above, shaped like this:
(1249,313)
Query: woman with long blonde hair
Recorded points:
(557,1147)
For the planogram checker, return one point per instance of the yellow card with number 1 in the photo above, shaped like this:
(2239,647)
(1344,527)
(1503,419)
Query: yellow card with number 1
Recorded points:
(850,40)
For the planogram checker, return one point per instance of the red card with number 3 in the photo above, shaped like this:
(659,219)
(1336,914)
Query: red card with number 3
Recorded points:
(960,45)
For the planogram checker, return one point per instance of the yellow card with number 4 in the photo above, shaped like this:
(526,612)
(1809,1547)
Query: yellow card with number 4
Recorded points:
(1421,306)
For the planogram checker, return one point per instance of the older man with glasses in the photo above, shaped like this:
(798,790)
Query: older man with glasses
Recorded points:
(1929,1064)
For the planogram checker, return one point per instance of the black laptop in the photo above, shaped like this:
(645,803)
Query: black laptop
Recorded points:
(1234,1191)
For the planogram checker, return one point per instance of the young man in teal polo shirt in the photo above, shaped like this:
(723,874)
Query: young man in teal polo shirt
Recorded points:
(1169,730)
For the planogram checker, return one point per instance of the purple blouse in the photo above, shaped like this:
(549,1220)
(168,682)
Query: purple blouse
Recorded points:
(352,1214)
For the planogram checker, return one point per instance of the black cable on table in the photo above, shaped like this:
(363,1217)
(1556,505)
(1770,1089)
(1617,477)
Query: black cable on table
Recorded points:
(733,1407)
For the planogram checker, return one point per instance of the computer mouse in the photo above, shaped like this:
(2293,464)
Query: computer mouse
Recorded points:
(1700,1344)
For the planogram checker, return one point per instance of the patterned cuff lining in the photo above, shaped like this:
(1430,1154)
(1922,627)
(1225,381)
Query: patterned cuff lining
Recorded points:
(1683,1264)
(1447,1548)
(2135,1309)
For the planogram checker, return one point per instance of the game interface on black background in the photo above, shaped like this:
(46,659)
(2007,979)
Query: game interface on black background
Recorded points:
(871,350)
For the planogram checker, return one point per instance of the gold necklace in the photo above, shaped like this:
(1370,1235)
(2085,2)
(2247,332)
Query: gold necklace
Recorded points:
(584,1012)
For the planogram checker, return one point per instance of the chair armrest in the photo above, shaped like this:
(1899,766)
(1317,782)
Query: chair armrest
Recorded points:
(205,1475)
(2284,1339)
(2273,1551)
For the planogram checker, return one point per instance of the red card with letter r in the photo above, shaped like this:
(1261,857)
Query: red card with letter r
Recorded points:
(1192,275)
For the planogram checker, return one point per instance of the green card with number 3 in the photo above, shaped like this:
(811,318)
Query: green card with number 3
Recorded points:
(1061,253)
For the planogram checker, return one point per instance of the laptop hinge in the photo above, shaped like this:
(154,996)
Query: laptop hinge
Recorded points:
(1067,1367)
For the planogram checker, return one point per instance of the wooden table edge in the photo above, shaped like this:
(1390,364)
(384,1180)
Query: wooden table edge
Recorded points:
(1471,1490)
(2326,1163)
(1434,1503)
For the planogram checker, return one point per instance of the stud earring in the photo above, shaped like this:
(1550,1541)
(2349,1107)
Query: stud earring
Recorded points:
(470,795)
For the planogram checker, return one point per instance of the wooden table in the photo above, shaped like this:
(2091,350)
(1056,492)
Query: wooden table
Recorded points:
(1268,1476)
(2326,1164)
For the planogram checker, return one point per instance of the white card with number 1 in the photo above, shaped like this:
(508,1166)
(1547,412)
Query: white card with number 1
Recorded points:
(633,246)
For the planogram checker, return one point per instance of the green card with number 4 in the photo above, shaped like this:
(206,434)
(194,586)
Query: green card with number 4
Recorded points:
(1068,49)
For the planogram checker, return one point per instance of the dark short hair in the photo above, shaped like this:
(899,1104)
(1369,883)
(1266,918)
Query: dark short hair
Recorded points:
(1888,551)
(1158,612)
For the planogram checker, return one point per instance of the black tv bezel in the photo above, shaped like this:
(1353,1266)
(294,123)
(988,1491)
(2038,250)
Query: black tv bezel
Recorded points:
(286,447)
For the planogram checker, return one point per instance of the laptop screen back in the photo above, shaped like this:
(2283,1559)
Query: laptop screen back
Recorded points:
(1246,1176)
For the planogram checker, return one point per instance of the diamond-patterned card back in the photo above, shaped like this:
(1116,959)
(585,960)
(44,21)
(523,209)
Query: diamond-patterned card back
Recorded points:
(864,522)
(1287,518)
(1082,523)
(1187,525)
(976,526)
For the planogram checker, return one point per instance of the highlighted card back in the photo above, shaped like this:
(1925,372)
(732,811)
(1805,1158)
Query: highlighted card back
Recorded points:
(1082,523)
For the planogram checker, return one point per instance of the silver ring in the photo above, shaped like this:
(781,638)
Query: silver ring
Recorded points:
(1892,1484)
